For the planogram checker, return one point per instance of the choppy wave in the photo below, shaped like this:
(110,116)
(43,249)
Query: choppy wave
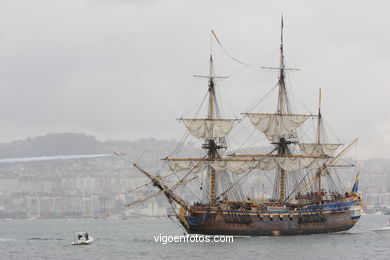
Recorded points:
(134,239)
(44,238)
(4,239)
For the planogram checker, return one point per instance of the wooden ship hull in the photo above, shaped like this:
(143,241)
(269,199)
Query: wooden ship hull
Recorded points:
(314,219)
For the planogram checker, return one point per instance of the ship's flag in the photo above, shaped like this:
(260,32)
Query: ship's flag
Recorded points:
(355,186)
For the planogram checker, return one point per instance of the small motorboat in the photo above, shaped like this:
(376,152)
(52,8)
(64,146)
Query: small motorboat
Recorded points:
(385,231)
(82,238)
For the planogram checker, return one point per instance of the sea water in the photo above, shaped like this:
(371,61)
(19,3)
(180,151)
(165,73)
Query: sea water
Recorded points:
(135,239)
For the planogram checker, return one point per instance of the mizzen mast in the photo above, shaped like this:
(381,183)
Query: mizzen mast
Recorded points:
(319,118)
(319,136)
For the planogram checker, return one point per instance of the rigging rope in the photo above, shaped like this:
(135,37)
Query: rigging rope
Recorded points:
(227,53)
(167,120)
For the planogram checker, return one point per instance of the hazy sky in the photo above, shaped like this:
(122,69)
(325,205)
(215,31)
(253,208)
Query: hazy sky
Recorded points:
(121,69)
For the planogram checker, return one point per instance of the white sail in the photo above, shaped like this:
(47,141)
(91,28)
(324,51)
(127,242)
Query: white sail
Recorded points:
(276,126)
(267,164)
(209,128)
(288,163)
(235,166)
(296,163)
(319,149)
(194,166)
(198,165)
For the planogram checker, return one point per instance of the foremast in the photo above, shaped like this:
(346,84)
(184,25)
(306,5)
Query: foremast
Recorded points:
(210,145)
(212,130)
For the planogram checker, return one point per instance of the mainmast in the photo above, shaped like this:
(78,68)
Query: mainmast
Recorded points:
(281,82)
(279,128)
(282,145)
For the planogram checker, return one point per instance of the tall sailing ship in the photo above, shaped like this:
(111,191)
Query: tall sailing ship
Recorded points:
(302,202)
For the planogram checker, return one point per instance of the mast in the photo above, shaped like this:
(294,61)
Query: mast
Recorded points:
(211,90)
(212,129)
(279,128)
(281,83)
(210,144)
(319,119)
(319,135)
(282,107)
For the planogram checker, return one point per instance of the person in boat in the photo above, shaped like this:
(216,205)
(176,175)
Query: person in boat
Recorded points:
(86,236)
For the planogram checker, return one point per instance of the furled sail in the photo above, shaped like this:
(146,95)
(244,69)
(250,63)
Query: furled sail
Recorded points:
(289,162)
(234,166)
(276,126)
(194,166)
(197,165)
(319,149)
(209,128)
(296,163)
(239,165)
